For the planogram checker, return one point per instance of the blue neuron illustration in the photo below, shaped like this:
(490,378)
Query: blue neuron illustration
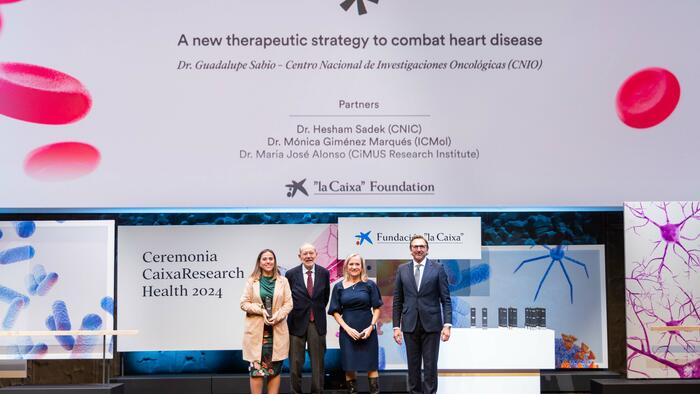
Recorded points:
(557,254)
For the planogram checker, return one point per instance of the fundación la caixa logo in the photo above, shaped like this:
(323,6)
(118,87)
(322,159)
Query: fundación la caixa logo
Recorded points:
(366,187)
(364,237)
(296,186)
(438,237)
(361,9)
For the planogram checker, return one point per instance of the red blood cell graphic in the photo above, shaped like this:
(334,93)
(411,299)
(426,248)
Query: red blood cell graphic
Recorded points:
(41,95)
(61,161)
(647,97)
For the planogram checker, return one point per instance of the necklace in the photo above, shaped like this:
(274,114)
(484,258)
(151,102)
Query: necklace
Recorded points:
(353,285)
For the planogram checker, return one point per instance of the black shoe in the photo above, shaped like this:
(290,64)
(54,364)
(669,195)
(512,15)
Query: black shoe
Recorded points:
(352,386)
(373,385)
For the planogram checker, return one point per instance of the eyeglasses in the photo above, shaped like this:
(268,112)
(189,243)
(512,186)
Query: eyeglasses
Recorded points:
(419,246)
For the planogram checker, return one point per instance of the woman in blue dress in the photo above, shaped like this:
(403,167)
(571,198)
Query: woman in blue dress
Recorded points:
(355,303)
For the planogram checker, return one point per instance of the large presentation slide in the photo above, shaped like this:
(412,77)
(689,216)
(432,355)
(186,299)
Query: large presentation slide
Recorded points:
(56,276)
(346,103)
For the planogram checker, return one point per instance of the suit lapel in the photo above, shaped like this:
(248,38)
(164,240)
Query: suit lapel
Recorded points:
(412,276)
(316,279)
(427,269)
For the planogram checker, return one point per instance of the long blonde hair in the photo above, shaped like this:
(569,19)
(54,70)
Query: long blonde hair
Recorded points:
(257,271)
(363,275)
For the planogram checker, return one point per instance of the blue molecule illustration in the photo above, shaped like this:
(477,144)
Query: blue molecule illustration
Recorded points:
(23,346)
(8,295)
(46,284)
(50,324)
(39,273)
(463,278)
(91,322)
(25,229)
(85,343)
(14,255)
(31,284)
(12,312)
(37,350)
(38,283)
(557,255)
(461,314)
(60,321)
(107,304)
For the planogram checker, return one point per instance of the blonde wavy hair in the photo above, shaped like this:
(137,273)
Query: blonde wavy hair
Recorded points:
(363,275)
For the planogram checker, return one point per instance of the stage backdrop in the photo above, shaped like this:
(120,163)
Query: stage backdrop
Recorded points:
(180,286)
(56,276)
(336,103)
(569,281)
(662,257)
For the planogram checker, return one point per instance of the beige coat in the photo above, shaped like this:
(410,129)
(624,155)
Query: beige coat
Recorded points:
(251,303)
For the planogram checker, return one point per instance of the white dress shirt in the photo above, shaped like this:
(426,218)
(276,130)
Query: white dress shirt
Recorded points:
(305,275)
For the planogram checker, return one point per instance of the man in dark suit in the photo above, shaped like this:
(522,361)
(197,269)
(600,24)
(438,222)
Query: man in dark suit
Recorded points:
(310,284)
(420,293)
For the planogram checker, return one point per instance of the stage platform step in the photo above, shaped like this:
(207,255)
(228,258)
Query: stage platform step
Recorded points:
(389,382)
(572,381)
(170,384)
(114,388)
(645,386)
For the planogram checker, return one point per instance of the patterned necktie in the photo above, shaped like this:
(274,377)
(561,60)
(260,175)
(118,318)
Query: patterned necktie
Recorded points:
(417,276)
(310,290)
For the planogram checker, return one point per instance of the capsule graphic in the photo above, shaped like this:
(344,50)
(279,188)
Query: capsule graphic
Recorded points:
(60,321)
(14,255)
(85,343)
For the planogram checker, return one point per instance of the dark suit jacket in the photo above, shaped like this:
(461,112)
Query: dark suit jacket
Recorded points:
(298,319)
(411,304)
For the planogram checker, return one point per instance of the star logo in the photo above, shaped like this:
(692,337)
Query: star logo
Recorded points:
(294,187)
(362,237)
(361,9)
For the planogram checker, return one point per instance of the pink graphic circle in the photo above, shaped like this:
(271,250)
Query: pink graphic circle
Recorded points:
(41,95)
(648,97)
(61,161)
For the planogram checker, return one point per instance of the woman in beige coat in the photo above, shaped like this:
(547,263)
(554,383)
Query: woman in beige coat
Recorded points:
(266,300)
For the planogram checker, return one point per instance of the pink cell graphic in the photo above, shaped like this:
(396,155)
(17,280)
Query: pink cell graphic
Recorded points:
(61,161)
(41,95)
(647,97)
(0,23)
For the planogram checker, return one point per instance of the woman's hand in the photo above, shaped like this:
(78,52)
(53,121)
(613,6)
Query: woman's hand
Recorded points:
(269,320)
(354,334)
(366,332)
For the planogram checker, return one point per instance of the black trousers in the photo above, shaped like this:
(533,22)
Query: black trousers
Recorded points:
(317,351)
(422,346)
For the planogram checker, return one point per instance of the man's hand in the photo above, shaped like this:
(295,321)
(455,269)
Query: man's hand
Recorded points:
(398,337)
(445,334)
